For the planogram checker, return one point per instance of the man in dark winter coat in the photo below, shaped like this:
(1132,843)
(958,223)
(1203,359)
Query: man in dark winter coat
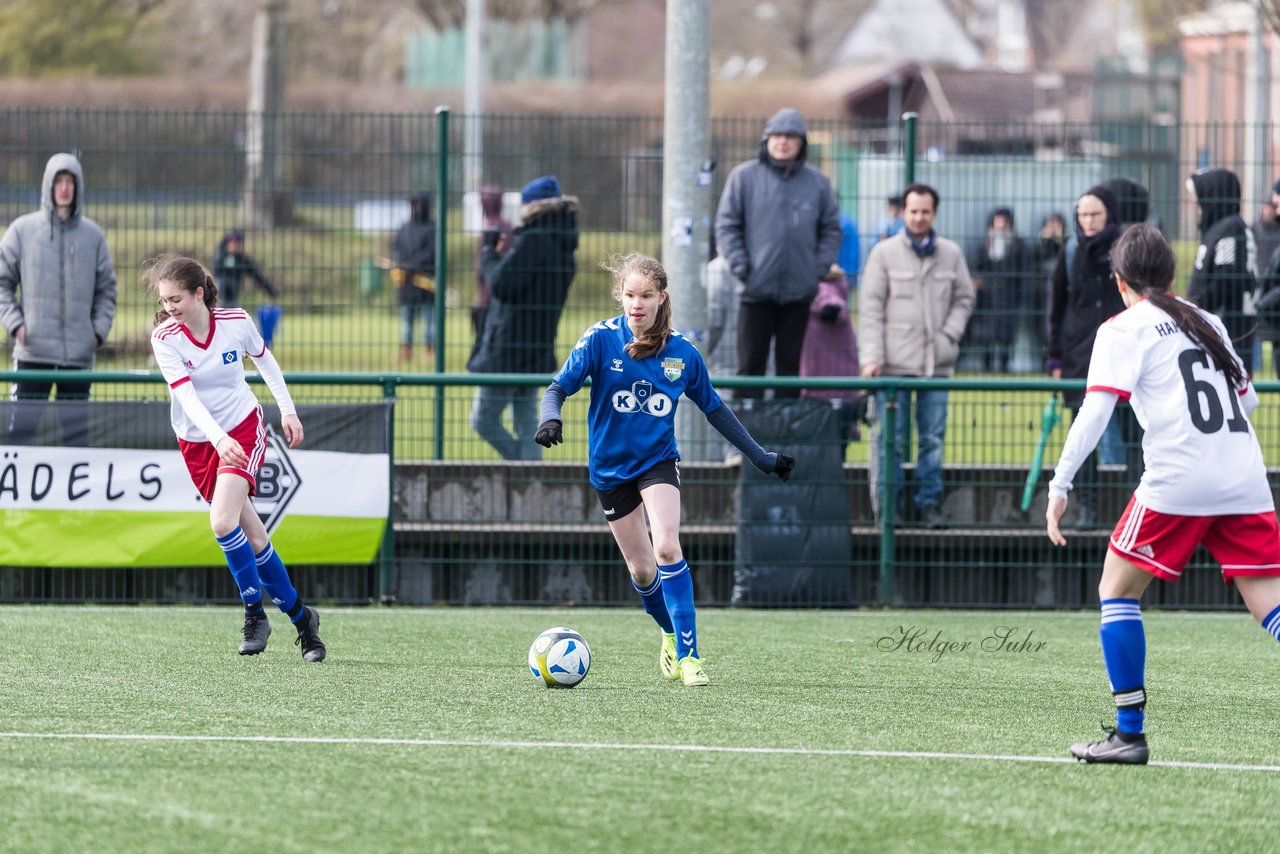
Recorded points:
(413,270)
(1226,268)
(778,226)
(528,286)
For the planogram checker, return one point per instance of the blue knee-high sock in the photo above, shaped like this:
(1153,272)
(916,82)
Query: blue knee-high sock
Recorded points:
(275,580)
(655,605)
(1124,649)
(1271,623)
(677,590)
(239,555)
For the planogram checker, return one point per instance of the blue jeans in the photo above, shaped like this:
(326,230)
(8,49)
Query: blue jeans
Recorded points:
(408,313)
(486,419)
(931,430)
(1111,450)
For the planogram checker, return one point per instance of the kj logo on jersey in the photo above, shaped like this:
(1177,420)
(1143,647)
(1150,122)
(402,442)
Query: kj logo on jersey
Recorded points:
(642,398)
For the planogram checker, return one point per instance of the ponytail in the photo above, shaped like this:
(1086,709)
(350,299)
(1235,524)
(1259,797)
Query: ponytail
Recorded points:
(1144,260)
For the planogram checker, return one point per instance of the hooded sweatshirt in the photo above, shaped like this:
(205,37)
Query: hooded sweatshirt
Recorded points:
(778,224)
(1082,296)
(1226,261)
(1133,200)
(56,278)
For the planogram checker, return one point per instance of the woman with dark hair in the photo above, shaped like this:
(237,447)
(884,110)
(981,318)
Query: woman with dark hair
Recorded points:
(1081,298)
(998,270)
(1042,261)
(1205,480)
(639,368)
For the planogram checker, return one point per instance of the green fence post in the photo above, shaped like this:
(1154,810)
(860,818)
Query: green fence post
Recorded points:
(889,491)
(386,554)
(911,120)
(909,149)
(442,266)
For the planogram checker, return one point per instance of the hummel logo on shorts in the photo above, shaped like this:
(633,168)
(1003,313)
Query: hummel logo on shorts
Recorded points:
(609,511)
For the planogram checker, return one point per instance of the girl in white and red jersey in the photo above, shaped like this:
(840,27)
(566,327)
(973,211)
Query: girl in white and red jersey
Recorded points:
(222,435)
(1204,479)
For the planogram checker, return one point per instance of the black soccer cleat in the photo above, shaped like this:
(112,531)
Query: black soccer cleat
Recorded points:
(313,648)
(257,628)
(1119,748)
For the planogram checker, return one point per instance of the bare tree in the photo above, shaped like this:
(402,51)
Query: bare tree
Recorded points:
(1160,18)
(266,204)
(1270,12)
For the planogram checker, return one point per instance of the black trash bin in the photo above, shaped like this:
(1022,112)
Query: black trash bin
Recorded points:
(794,546)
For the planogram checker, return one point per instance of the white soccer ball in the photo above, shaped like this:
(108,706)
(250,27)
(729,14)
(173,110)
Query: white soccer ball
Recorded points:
(559,658)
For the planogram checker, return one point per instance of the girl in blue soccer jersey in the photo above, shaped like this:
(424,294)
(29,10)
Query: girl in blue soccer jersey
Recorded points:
(639,367)
(223,436)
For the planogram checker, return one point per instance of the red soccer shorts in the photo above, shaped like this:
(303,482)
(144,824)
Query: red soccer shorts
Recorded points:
(205,465)
(1162,544)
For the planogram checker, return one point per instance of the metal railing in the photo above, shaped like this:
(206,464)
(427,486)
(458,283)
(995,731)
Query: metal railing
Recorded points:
(457,517)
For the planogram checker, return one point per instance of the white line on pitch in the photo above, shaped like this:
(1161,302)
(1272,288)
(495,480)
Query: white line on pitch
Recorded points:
(567,745)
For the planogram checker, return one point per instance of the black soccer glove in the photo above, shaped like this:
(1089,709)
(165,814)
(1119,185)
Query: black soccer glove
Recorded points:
(489,237)
(829,313)
(783,466)
(549,434)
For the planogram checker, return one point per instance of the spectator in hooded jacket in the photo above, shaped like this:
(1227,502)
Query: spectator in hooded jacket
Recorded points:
(999,267)
(778,227)
(1121,442)
(528,286)
(57,294)
(413,270)
(1133,201)
(1226,268)
(232,265)
(1081,298)
(831,350)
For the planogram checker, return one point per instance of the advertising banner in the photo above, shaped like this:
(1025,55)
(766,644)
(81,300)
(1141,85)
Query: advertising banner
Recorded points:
(103,485)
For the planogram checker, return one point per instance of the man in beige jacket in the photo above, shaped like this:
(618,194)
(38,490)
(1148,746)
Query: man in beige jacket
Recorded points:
(915,301)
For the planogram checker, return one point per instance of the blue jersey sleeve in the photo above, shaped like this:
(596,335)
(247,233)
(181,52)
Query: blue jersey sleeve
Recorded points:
(580,363)
(699,389)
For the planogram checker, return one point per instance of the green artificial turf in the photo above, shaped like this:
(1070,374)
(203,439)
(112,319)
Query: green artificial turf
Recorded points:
(424,731)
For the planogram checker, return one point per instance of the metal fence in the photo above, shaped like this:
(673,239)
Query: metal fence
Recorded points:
(175,181)
(172,181)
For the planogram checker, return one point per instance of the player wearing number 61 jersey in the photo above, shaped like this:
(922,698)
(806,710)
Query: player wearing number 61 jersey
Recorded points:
(222,435)
(1204,479)
(639,367)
